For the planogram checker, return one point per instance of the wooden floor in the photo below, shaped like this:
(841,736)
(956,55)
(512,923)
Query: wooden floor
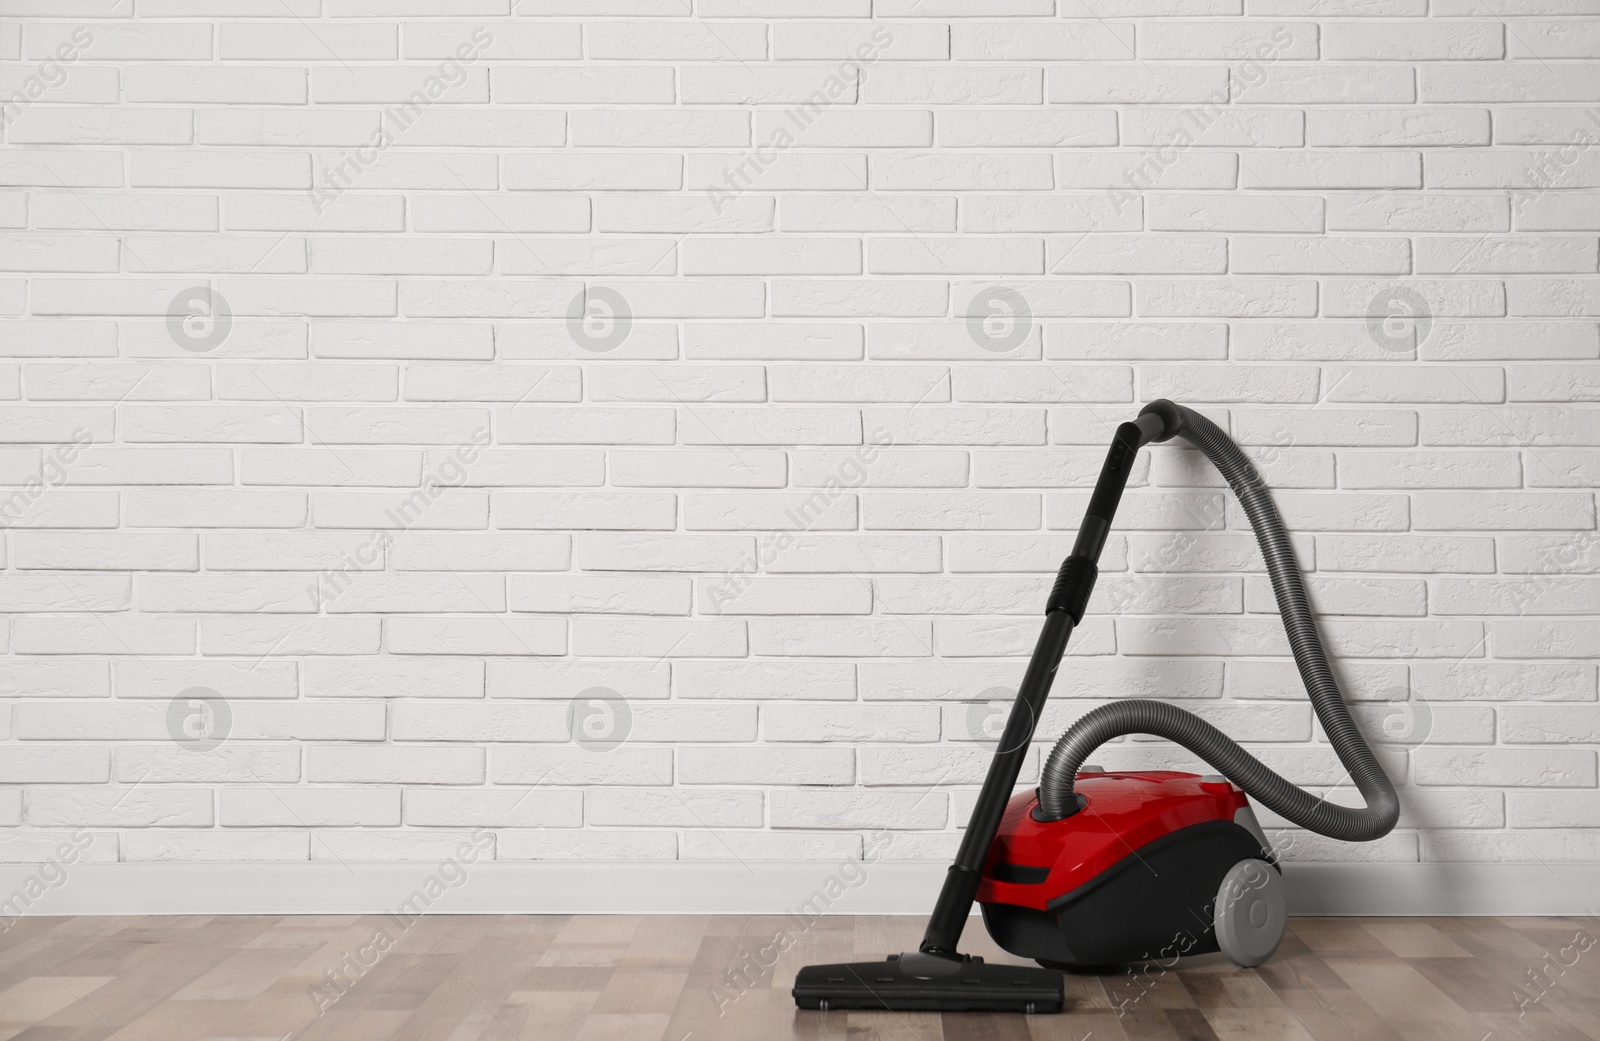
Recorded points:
(703,978)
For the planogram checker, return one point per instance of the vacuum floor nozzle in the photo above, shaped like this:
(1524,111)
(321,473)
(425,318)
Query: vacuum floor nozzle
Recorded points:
(919,982)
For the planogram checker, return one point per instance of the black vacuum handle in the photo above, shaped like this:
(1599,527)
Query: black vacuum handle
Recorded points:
(1063,611)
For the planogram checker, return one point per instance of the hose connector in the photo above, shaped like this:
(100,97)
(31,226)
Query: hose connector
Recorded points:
(1171,415)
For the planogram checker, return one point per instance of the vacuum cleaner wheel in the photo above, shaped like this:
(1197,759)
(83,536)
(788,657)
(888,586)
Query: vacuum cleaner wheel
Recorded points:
(1251,912)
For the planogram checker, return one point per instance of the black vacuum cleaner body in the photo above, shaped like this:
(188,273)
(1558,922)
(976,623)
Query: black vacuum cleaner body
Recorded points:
(1098,868)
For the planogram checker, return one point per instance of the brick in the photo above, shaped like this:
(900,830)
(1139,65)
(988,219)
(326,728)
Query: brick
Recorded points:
(1541,639)
(1515,82)
(1505,767)
(765,680)
(261,84)
(1413,41)
(296,40)
(779,596)
(581,766)
(595,171)
(1430,469)
(710,84)
(393,764)
(57,765)
(565,680)
(1148,84)
(55,679)
(167,762)
(595,845)
(1330,85)
(859,383)
(837,41)
(66,125)
(951,84)
(892,468)
(687,809)
(933,511)
(597,594)
(929,766)
(599,128)
(811,553)
(1528,810)
(176,42)
(1258,40)
(658,638)
(1330,169)
(588,84)
(1498,254)
(475,636)
(151,678)
(394,678)
(1435,211)
(265,635)
(543,41)
(1558,211)
(663,552)
(482,722)
(48,168)
(443,807)
(680,40)
(826,637)
(247,593)
(765,765)
(1524,510)
(120,808)
(854,808)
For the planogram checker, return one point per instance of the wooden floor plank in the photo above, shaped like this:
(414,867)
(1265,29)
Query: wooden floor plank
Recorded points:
(701,978)
(1414,938)
(1338,1016)
(43,996)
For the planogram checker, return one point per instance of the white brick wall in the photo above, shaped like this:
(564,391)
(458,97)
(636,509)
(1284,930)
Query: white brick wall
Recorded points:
(657,443)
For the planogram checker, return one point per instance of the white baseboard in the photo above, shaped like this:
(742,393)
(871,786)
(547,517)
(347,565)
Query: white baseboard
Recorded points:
(761,887)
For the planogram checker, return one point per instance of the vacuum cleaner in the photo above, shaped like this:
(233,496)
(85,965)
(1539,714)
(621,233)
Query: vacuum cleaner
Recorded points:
(1100,868)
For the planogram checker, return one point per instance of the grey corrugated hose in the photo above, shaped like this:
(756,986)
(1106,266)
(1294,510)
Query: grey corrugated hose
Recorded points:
(1350,824)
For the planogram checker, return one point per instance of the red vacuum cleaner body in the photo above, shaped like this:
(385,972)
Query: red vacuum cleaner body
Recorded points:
(1140,873)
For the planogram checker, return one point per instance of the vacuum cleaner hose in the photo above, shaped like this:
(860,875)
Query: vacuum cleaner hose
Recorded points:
(1377,818)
